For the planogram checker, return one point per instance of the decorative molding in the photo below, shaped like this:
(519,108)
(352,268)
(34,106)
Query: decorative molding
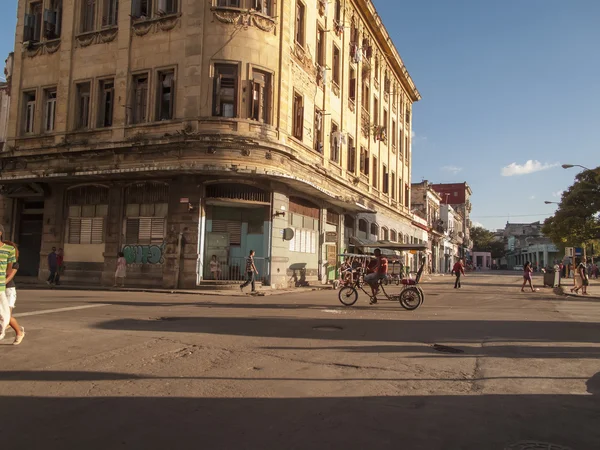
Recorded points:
(304,60)
(244,17)
(141,27)
(41,48)
(103,36)
(336,89)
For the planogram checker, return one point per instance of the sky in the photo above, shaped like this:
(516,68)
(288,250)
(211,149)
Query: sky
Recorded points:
(511,90)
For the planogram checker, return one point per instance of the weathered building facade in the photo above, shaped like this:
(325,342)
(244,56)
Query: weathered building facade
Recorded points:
(458,195)
(181,131)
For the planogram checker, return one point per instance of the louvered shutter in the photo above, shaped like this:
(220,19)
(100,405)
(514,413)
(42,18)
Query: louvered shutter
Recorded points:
(74,231)
(145,230)
(86,231)
(97,230)
(158,230)
(132,231)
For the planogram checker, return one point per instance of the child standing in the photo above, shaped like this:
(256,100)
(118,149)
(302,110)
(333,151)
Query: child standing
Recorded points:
(121,271)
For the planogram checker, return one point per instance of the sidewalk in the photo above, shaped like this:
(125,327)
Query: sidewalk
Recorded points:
(593,289)
(234,292)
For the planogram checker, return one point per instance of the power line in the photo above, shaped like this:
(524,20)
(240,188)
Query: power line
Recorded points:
(510,215)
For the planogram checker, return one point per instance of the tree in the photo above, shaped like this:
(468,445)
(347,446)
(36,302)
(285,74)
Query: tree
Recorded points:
(576,221)
(484,241)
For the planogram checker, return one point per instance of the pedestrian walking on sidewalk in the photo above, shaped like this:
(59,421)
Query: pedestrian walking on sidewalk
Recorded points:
(7,259)
(458,270)
(11,294)
(527,277)
(121,271)
(250,271)
(52,266)
(581,279)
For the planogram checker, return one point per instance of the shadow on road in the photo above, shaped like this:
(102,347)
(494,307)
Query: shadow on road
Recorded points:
(468,422)
(430,331)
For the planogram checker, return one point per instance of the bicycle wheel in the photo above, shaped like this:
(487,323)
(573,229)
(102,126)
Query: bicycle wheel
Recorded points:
(410,298)
(348,296)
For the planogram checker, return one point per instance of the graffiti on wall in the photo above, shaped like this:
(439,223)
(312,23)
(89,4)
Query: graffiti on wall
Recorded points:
(145,254)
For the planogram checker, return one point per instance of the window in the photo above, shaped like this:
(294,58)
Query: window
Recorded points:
(406,147)
(386,180)
(225,96)
(106,102)
(385,234)
(318,134)
(394,135)
(260,102)
(352,87)
(363,225)
(33,23)
(53,20)
(229,3)
(110,10)
(82,92)
(400,197)
(400,140)
(376,71)
(393,187)
(29,112)
(304,219)
(351,156)
(375,230)
(364,161)
(375,111)
(365,96)
(87,209)
(166,7)
(300,14)
(86,224)
(49,109)
(165,95)
(337,11)
(336,65)
(385,119)
(146,207)
(375,180)
(139,101)
(335,142)
(298,119)
(320,47)
(393,236)
(407,196)
(141,8)
(88,16)
(262,6)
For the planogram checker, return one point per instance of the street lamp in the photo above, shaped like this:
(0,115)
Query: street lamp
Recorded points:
(569,166)
(551,203)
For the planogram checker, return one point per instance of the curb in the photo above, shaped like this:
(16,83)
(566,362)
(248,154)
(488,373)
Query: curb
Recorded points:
(566,292)
(219,293)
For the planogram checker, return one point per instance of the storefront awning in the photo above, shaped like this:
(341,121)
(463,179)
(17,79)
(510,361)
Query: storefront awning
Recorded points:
(365,243)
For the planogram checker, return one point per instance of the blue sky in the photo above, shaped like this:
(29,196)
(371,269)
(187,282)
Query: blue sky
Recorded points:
(503,82)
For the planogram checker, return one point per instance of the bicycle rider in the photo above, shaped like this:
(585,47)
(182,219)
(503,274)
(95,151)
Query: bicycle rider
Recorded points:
(379,272)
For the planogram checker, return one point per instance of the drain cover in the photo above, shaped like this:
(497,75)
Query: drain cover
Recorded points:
(535,445)
(446,349)
(328,328)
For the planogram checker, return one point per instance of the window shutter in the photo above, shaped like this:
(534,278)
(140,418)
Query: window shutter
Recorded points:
(172,96)
(132,231)
(145,230)
(28,29)
(158,230)
(300,120)
(162,6)
(86,231)
(74,231)
(97,230)
(218,80)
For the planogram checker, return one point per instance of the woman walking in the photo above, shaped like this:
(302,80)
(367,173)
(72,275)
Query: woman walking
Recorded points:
(458,270)
(527,277)
(581,279)
(11,294)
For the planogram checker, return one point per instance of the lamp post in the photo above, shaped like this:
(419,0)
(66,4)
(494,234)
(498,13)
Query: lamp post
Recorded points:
(569,166)
(551,203)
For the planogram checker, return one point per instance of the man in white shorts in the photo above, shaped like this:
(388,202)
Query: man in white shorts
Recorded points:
(7,259)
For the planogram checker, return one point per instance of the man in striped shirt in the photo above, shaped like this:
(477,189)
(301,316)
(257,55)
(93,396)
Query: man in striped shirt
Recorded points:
(7,259)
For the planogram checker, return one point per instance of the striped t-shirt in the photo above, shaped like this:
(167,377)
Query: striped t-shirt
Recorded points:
(7,256)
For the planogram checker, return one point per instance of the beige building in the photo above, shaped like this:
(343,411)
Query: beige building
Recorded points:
(5,100)
(177,130)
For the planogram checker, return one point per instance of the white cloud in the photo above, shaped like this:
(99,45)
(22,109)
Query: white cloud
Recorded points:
(530,166)
(557,194)
(412,134)
(452,169)
(532,197)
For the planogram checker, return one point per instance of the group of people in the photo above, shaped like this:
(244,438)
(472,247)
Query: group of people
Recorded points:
(9,266)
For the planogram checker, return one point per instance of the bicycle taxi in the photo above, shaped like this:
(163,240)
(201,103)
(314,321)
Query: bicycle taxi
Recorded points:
(354,268)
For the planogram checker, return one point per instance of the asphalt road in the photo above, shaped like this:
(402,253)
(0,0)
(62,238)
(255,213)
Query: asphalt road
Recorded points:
(106,370)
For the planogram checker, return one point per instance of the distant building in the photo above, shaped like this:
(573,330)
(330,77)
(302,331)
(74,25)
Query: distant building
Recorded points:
(453,240)
(425,202)
(459,196)
(5,100)
(526,242)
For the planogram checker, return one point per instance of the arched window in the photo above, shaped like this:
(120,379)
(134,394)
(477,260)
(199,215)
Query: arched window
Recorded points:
(87,209)
(363,225)
(374,229)
(146,207)
(385,234)
(393,236)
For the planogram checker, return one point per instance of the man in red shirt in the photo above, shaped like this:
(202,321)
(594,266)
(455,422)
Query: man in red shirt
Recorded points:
(458,269)
(379,271)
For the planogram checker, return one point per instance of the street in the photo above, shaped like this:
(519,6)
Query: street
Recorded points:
(105,370)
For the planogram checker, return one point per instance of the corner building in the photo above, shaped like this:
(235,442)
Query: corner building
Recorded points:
(177,130)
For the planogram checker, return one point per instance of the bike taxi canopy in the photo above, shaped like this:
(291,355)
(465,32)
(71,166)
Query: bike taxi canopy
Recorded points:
(386,245)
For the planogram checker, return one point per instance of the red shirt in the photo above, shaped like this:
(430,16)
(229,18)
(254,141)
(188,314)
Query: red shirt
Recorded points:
(458,268)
